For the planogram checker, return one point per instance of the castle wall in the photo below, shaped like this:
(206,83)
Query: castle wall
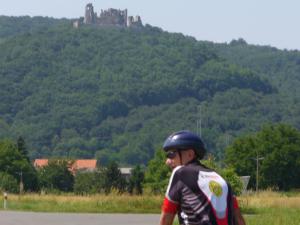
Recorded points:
(89,17)
(110,17)
(113,17)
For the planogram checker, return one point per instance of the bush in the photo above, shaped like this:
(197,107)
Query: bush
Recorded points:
(136,180)
(56,175)
(8,183)
(227,173)
(157,174)
(88,183)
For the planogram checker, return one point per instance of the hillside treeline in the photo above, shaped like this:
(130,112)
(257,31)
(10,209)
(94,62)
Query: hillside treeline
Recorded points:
(115,94)
(275,149)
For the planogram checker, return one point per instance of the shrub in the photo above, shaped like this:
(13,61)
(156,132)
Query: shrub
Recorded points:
(8,183)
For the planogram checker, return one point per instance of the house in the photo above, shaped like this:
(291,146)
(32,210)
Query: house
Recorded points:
(83,165)
(126,172)
(88,165)
(78,165)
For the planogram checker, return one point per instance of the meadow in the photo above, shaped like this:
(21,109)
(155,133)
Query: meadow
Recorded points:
(259,209)
(271,208)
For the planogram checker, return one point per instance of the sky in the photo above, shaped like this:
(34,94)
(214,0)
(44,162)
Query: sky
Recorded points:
(261,22)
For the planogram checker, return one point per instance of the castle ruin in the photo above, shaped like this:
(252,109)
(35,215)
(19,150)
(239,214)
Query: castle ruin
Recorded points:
(110,17)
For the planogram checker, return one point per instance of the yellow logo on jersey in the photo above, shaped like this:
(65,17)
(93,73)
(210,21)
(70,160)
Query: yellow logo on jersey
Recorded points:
(215,188)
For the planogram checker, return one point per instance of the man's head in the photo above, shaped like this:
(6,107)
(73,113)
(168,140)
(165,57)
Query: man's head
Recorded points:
(183,146)
(176,158)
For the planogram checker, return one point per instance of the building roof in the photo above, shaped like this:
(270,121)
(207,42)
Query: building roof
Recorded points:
(40,162)
(85,164)
(79,164)
(125,170)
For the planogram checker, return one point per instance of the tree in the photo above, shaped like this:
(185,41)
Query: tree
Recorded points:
(8,183)
(157,173)
(113,178)
(22,147)
(279,146)
(88,182)
(17,165)
(56,176)
(136,180)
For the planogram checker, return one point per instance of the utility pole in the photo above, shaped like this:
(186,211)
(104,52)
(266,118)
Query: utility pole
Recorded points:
(199,122)
(21,185)
(257,159)
(227,139)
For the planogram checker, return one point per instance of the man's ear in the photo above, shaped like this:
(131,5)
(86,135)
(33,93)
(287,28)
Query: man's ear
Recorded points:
(191,153)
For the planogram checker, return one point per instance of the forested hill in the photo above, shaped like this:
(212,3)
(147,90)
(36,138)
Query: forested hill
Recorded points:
(115,94)
(11,26)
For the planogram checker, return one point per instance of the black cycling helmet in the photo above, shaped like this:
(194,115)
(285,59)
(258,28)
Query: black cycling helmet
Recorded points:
(183,140)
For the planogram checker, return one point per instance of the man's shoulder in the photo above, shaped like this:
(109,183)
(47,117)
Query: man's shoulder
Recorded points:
(189,169)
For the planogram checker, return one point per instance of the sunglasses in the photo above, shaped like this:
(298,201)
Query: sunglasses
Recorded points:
(171,154)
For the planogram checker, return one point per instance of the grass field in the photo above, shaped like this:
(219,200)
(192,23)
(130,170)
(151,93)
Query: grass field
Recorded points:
(265,208)
(271,208)
(85,204)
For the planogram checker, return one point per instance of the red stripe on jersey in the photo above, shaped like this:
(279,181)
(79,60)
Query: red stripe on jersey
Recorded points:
(235,203)
(169,207)
(222,221)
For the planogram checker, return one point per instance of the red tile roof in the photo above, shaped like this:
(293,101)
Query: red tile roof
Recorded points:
(40,162)
(80,164)
(89,164)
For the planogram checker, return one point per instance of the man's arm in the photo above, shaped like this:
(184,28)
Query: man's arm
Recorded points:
(237,215)
(168,212)
(166,218)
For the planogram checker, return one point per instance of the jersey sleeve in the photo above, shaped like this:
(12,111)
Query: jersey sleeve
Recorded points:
(169,207)
(174,189)
(172,198)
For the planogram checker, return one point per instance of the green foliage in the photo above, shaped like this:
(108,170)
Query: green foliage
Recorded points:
(157,173)
(13,162)
(22,147)
(56,176)
(11,26)
(227,173)
(113,179)
(279,146)
(233,179)
(114,94)
(8,183)
(136,180)
(88,183)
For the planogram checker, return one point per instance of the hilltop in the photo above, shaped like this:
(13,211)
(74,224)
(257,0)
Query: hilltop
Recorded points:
(116,93)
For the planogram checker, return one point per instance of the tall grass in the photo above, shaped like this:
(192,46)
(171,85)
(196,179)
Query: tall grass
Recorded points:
(271,208)
(113,203)
(264,208)
(270,199)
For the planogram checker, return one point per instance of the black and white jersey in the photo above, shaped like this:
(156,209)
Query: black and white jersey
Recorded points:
(203,197)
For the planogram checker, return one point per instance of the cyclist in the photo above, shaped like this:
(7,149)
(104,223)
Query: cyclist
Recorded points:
(196,193)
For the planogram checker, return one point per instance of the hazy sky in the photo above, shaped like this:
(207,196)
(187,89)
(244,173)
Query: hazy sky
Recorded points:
(263,22)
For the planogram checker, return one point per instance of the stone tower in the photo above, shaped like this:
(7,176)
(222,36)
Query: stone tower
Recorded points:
(134,21)
(89,17)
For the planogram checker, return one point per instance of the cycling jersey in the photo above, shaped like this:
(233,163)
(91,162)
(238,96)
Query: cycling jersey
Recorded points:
(199,195)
